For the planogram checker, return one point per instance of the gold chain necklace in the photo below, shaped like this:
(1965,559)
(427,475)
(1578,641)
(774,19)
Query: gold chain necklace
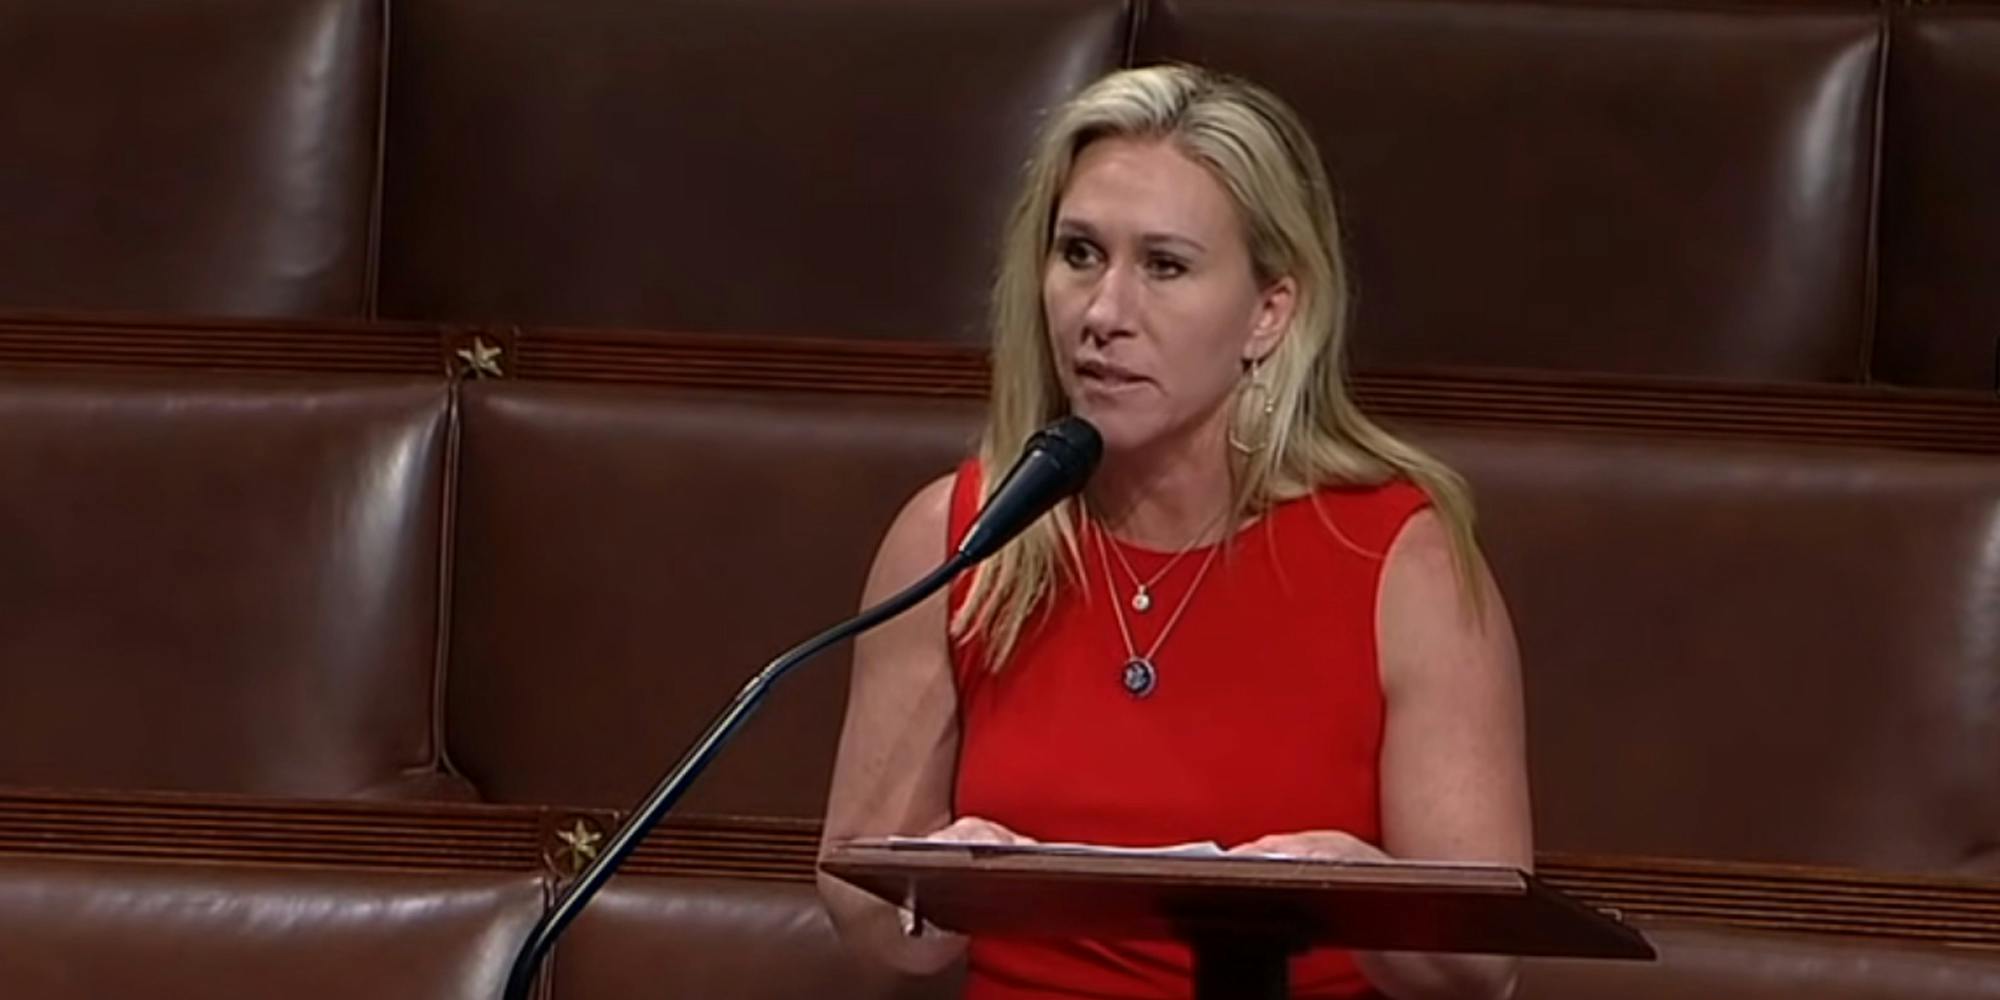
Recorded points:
(1142,592)
(1141,675)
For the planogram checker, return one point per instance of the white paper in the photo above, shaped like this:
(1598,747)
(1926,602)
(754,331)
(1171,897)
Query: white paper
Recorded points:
(1196,849)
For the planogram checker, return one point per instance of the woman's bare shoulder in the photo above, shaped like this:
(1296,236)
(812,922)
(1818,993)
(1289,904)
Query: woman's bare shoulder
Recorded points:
(918,539)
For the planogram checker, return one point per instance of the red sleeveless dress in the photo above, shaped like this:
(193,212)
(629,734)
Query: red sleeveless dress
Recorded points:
(1266,717)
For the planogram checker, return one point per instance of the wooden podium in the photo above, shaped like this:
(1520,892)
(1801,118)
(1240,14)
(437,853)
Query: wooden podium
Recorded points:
(1243,916)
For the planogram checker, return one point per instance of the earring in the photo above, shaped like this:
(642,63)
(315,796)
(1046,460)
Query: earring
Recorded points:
(1254,381)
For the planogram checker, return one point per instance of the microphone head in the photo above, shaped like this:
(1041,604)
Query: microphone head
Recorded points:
(1075,446)
(1056,462)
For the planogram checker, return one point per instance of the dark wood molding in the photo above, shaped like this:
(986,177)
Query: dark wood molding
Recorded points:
(1844,416)
(1839,415)
(756,362)
(1961,912)
(217,828)
(1956,911)
(36,341)
(1868,416)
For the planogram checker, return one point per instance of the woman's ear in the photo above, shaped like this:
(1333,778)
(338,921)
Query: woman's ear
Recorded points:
(1275,306)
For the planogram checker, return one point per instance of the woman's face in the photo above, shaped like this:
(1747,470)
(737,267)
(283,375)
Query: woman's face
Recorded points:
(1151,300)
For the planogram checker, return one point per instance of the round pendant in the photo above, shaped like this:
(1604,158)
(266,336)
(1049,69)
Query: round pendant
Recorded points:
(1140,677)
(1142,602)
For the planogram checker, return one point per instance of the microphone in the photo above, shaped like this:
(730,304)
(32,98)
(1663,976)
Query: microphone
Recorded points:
(1056,462)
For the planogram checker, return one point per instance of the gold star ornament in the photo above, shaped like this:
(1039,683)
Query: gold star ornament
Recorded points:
(481,359)
(580,844)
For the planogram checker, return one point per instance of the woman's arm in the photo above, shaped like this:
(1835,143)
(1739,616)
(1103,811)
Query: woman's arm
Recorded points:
(1454,756)
(1454,770)
(899,744)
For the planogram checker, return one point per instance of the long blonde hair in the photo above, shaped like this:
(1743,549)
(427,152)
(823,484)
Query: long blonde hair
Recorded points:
(1313,436)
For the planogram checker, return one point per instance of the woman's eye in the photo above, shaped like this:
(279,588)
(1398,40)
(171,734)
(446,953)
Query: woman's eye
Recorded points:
(1166,267)
(1077,253)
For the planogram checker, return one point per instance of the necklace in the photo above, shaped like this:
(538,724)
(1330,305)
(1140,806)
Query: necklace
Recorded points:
(1140,676)
(1142,590)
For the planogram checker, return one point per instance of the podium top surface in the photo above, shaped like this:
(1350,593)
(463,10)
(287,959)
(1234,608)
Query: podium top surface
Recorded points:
(1080,892)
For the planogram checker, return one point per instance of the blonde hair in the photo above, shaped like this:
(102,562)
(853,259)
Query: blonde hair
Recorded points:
(1260,152)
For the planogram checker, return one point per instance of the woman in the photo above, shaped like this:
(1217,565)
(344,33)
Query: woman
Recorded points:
(1264,622)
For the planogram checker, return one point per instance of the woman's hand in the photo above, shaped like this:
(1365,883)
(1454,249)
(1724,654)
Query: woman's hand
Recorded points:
(974,830)
(1319,845)
(1404,975)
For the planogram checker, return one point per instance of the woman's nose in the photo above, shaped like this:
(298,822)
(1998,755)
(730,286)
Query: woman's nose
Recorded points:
(1110,310)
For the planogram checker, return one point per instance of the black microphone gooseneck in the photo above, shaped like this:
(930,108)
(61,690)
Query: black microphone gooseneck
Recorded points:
(1055,464)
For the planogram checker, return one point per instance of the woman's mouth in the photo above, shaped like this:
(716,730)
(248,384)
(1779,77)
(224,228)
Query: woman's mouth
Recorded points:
(1106,377)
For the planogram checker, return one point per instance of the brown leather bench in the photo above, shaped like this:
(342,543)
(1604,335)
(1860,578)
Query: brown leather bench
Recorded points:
(770,166)
(88,929)
(219,157)
(1704,963)
(1751,650)
(627,558)
(699,937)
(1610,188)
(1741,191)
(222,583)
(1940,213)
(1738,650)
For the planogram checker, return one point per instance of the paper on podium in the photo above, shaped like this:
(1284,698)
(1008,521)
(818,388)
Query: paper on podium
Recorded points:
(1196,849)
(1193,849)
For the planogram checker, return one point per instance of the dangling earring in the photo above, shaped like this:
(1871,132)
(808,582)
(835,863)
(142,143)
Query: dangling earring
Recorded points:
(1254,382)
